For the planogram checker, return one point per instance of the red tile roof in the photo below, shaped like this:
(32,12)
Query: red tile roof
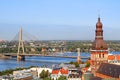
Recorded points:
(118,57)
(111,57)
(55,71)
(62,71)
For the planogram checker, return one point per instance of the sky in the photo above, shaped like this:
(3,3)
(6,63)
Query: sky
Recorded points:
(59,19)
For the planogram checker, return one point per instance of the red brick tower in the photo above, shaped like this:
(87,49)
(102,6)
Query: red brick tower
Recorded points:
(99,50)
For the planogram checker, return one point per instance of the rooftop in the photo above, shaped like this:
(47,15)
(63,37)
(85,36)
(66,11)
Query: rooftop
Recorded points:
(96,78)
(114,57)
(62,71)
(111,70)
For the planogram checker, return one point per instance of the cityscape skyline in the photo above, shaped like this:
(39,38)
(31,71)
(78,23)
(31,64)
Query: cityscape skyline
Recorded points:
(59,20)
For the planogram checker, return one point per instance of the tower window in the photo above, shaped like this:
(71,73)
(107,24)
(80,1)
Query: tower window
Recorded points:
(99,55)
(103,55)
(101,47)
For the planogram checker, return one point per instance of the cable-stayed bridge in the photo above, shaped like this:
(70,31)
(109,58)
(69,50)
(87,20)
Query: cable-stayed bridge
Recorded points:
(23,36)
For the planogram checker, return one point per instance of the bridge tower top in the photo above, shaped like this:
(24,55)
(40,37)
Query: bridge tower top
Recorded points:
(21,43)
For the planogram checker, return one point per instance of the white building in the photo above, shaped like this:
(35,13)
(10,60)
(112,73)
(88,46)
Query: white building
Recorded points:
(39,70)
(22,75)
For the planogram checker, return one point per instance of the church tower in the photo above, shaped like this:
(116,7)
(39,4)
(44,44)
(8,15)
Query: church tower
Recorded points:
(99,49)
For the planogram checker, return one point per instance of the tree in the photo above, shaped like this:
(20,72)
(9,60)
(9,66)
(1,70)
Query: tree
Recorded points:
(75,63)
(44,74)
(87,64)
(47,73)
(48,78)
(71,62)
(62,78)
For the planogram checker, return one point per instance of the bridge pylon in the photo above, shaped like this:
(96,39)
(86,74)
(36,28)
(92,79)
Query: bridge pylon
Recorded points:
(20,57)
(78,57)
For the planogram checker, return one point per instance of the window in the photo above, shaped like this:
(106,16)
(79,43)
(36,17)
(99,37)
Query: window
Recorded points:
(99,55)
(103,55)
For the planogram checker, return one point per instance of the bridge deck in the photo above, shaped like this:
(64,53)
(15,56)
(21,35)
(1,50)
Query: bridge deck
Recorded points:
(45,55)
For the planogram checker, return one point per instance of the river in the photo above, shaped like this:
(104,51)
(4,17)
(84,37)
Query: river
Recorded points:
(41,61)
(37,61)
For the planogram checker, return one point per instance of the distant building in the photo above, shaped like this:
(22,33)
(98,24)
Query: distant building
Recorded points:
(33,49)
(1,41)
(5,77)
(53,49)
(66,65)
(99,50)
(4,46)
(44,49)
(32,44)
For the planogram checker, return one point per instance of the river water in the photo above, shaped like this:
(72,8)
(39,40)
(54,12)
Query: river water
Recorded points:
(32,61)
(40,61)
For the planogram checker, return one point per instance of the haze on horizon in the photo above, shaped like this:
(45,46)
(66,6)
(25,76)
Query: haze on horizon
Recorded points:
(59,19)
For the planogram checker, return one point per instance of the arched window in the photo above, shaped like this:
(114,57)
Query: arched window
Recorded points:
(99,55)
(103,55)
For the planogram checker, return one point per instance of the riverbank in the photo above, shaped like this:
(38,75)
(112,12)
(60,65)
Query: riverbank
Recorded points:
(4,57)
(10,71)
